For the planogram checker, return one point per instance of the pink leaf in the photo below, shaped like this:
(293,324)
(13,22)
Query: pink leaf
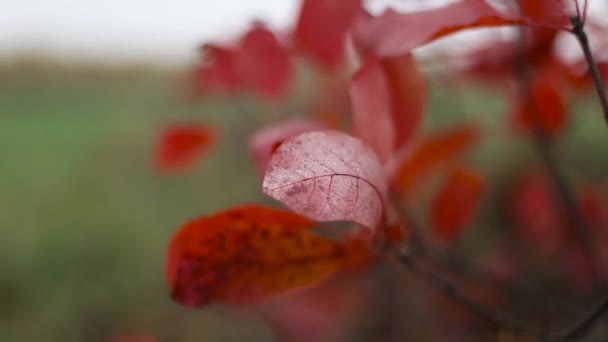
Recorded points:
(328,176)
(372,111)
(265,141)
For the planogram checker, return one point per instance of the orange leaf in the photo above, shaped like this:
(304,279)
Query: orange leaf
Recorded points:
(432,152)
(247,253)
(179,145)
(455,204)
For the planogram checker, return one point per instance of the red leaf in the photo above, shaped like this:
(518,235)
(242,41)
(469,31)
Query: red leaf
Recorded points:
(408,93)
(180,145)
(396,34)
(547,13)
(456,203)
(545,107)
(219,70)
(372,110)
(321,29)
(264,63)
(537,212)
(267,140)
(594,203)
(328,176)
(433,152)
(388,98)
(245,254)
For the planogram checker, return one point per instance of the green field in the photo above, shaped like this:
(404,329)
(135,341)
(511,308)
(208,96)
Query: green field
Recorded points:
(85,217)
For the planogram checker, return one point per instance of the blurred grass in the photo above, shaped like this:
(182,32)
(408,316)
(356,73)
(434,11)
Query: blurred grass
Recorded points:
(85,218)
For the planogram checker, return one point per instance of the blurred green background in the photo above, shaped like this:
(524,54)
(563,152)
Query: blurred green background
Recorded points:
(85,218)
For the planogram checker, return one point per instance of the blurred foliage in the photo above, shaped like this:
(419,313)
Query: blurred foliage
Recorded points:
(85,218)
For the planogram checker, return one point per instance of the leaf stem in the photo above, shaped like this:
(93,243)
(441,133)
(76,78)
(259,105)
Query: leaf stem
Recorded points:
(415,233)
(578,29)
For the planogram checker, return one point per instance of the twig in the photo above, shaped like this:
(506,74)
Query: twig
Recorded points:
(578,329)
(575,331)
(498,318)
(578,29)
(581,326)
(544,149)
(501,319)
(415,233)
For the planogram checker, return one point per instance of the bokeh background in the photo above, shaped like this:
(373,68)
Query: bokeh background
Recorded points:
(85,217)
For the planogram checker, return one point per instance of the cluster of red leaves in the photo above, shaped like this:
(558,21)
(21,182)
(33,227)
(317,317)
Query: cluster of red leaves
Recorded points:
(247,253)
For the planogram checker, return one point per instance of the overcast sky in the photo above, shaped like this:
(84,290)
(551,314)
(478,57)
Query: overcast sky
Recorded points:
(148,30)
(138,30)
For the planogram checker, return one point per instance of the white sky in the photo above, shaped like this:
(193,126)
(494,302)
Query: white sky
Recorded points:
(149,31)
(132,30)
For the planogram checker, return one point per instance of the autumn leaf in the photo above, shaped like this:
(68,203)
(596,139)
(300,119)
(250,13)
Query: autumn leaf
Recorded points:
(321,29)
(455,204)
(388,98)
(218,70)
(245,254)
(432,152)
(267,140)
(545,108)
(593,199)
(372,108)
(180,145)
(264,63)
(553,14)
(328,176)
(537,212)
(395,34)
(408,88)
(256,62)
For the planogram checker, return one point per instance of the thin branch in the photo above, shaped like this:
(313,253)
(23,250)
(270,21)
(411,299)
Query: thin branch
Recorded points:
(579,328)
(406,257)
(415,233)
(498,318)
(545,151)
(582,229)
(501,319)
(579,31)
